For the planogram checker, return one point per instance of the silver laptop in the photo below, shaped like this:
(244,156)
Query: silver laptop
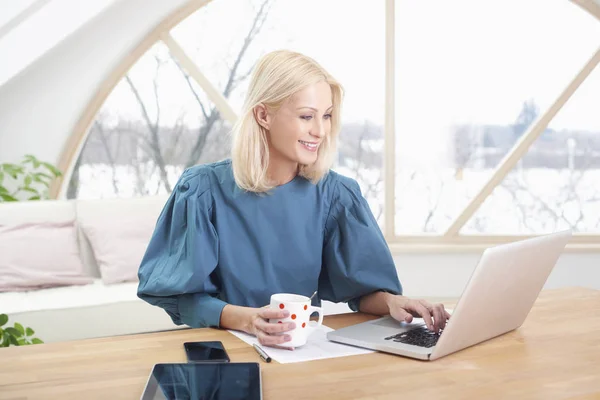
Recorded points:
(497,299)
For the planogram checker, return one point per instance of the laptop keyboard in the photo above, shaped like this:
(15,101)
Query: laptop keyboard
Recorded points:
(420,336)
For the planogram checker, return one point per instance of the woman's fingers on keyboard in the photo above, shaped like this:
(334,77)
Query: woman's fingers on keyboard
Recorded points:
(438,318)
(420,308)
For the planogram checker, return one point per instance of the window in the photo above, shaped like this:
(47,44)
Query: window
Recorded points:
(155,123)
(471,78)
(554,186)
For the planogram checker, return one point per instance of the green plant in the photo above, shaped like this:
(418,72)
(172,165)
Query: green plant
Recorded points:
(16,335)
(31,178)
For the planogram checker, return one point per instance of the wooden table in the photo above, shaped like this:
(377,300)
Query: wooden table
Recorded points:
(554,355)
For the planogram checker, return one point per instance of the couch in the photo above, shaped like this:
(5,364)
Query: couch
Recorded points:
(68,268)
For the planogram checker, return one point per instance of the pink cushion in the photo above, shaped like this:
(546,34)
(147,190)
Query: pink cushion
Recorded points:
(119,249)
(39,255)
(119,231)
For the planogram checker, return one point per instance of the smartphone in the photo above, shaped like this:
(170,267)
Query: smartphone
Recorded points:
(203,352)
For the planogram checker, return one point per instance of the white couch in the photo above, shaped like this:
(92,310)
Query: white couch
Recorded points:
(95,309)
(110,235)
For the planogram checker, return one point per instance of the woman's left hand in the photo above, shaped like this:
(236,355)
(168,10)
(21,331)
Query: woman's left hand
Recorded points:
(404,309)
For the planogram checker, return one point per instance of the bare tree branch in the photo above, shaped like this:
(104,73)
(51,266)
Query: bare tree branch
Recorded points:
(214,115)
(241,78)
(523,212)
(433,209)
(155,87)
(154,134)
(176,133)
(111,160)
(188,79)
(257,24)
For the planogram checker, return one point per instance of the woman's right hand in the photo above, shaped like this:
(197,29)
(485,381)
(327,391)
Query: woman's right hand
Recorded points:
(267,333)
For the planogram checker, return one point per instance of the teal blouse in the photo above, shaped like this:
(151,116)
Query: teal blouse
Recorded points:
(215,244)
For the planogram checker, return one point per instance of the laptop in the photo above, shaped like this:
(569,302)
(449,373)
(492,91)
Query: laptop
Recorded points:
(496,300)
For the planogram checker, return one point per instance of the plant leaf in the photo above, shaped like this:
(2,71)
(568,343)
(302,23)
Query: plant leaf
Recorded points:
(7,197)
(30,190)
(28,180)
(13,332)
(7,166)
(52,169)
(3,319)
(37,177)
(21,342)
(13,170)
(30,332)
(44,175)
(20,328)
(13,340)
(6,340)
(1,176)
(37,341)
(3,190)
(30,159)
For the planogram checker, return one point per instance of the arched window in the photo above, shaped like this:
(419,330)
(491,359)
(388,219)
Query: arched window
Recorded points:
(484,113)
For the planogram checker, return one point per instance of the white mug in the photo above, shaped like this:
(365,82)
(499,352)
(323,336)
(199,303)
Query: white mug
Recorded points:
(300,310)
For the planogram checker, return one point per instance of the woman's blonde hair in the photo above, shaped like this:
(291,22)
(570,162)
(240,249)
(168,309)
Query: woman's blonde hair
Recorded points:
(276,77)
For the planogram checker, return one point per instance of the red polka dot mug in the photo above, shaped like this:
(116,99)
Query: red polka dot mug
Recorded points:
(300,311)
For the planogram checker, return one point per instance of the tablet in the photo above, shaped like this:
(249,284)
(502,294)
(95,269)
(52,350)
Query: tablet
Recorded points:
(230,381)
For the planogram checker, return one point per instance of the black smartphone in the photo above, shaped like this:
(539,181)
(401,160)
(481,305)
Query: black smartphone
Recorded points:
(204,352)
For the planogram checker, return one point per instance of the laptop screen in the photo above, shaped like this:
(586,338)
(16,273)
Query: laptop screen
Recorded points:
(204,381)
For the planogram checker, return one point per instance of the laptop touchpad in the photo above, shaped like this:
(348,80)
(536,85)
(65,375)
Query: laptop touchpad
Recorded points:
(389,322)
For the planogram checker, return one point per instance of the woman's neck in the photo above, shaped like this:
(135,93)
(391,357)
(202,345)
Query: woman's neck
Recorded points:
(281,171)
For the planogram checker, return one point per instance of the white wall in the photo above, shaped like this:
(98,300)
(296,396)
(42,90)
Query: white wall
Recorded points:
(446,274)
(443,276)
(40,106)
(38,28)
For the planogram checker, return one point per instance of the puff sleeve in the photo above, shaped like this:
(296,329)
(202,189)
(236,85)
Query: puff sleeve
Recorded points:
(356,258)
(177,272)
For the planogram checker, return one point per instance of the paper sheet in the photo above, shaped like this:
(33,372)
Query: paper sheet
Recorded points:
(316,348)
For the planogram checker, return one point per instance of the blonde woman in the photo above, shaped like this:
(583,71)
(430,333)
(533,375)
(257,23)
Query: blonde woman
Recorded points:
(274,218)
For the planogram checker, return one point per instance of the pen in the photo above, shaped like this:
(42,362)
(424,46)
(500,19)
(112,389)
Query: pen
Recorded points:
(262,353)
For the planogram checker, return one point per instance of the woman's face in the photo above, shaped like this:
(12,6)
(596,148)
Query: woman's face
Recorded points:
(299,126)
